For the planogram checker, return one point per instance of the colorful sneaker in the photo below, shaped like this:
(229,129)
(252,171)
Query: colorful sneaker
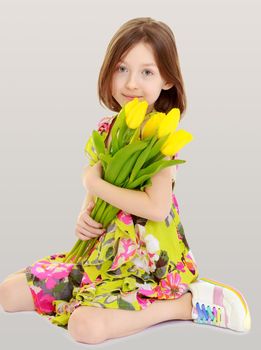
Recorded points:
(220,305)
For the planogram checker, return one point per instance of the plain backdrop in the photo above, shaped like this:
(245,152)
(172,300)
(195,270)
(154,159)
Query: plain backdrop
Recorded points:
(50,56)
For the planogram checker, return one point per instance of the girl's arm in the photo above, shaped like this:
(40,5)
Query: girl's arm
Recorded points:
(135,202)
(85,203)
(88,198)
(153,204)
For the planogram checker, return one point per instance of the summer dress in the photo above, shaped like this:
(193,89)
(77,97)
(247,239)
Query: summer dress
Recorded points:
(135,262)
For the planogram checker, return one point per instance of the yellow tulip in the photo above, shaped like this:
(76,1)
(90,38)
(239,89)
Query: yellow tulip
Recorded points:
(175,142)
(151,126)
(135,114)
(129,105)
(175,114)
(169,123)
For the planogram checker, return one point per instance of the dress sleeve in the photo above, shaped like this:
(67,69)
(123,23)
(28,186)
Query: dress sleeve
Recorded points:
(90,152)
(104,124)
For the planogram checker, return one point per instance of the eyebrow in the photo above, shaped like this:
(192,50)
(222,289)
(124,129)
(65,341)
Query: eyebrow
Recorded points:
(144,64)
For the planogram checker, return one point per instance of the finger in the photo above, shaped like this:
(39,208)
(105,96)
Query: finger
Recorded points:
(89,208)
(90,221)
(96,231)
(82,237)
(90,205)
(86,233)
(88,229)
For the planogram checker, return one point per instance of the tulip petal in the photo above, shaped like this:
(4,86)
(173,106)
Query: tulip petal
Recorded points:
(176,141)
(169,123)
(151,126)
(136,115)
(129,105)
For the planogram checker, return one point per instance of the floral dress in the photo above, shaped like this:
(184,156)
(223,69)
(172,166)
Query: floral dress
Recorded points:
(135,262)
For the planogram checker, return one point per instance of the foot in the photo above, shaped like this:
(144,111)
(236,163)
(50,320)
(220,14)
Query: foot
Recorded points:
(217,304)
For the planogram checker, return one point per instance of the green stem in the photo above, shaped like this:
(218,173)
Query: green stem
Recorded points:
(96,207)
(80,246)
(98,215)
(112,212)
(105,212)
(86,254)
(80,251)
(72,251)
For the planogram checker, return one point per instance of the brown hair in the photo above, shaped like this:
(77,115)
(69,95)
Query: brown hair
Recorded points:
(162,40)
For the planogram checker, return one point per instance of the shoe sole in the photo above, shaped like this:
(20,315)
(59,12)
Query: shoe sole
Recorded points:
(247,319)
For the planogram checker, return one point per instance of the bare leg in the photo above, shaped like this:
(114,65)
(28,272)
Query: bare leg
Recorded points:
(15,294)
(94,325)
(129,322)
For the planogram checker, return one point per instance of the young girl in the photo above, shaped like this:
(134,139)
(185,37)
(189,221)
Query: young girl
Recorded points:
(142,270)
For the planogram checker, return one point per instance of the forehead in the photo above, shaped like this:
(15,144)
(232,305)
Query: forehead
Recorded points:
(141,64)
(141,54)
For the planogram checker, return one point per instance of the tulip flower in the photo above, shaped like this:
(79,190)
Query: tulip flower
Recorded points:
(169,123)
(175,142)
(135,115)
(152,125)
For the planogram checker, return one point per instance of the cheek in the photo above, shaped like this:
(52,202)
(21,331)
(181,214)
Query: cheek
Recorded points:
(116,86)
(156,92)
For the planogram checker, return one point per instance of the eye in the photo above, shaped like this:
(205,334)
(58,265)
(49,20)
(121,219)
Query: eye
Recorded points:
(146,70)
(120,67)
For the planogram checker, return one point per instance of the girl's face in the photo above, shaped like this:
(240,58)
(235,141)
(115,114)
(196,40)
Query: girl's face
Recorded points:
(137,75)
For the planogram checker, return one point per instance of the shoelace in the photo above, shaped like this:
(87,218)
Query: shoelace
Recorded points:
(208,315)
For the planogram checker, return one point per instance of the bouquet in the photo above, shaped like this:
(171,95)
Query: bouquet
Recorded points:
(131,160)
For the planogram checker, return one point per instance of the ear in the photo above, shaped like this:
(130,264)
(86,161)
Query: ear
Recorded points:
(167,86)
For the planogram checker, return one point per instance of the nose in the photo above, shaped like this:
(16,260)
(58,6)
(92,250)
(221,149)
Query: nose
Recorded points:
(131,82)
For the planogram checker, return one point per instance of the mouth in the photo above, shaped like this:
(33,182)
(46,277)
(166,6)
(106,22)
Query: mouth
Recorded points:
(130,97)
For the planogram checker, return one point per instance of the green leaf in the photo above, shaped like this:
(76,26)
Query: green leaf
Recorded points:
(120,120)
(98,142)
(135,136)
(156,149)
(127,168)
(156,166)
(120,158)
(90,151)
(152,169)
(142,158)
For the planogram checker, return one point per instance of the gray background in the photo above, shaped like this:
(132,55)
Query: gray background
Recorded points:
(51,53)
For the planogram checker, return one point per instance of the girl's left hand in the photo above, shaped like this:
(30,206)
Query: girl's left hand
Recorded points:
(91,174)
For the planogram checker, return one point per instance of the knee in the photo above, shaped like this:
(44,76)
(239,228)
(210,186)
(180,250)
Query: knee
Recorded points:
(6,296)
(87,325)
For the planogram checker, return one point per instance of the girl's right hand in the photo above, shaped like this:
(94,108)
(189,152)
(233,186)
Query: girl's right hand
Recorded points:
(86,227)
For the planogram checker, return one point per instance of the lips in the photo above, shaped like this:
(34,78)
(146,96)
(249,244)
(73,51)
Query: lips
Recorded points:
(131,96)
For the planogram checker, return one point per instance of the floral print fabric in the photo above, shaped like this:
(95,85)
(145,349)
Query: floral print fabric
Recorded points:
(135,262)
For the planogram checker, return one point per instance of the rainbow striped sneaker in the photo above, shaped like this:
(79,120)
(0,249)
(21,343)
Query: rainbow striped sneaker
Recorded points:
(220,305)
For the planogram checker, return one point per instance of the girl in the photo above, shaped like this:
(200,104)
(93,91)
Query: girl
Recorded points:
(142,270)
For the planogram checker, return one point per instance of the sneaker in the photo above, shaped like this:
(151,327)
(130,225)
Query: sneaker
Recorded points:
(220,305)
